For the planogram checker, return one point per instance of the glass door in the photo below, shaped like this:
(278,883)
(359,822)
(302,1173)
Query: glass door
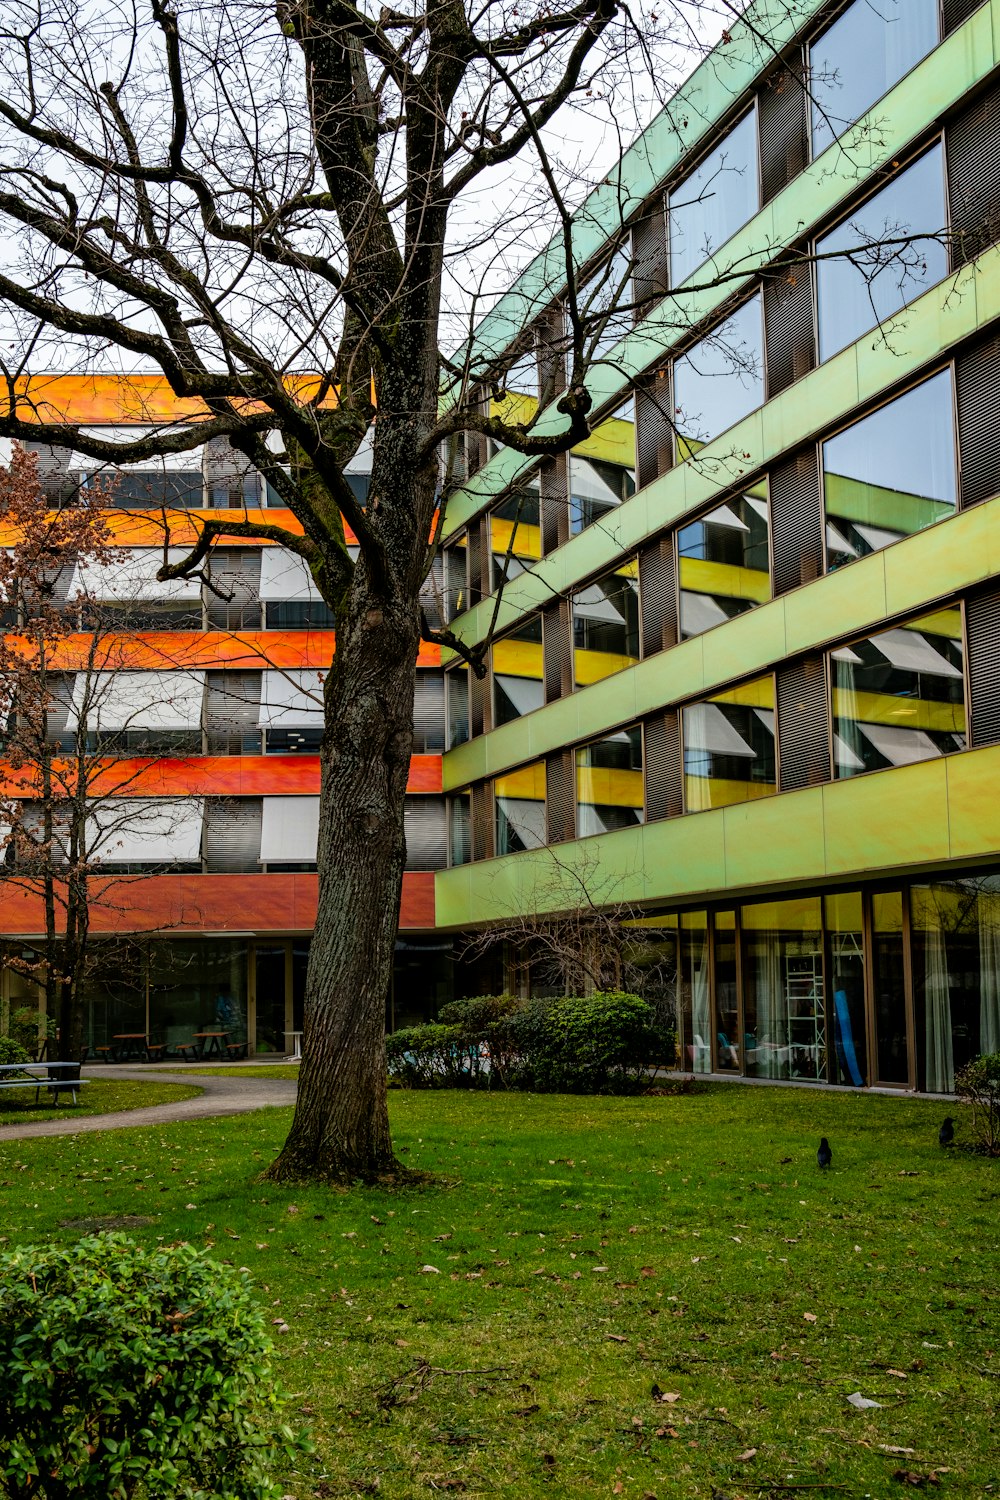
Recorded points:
(270,986)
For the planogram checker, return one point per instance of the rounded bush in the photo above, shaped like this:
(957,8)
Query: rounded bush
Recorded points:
(11,1051)
(130,1372)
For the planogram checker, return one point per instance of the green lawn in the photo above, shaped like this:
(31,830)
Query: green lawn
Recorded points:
(102,1096)
(289,1071)
(659,1297)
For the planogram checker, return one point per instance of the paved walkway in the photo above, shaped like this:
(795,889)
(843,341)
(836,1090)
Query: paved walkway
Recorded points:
(219,1096)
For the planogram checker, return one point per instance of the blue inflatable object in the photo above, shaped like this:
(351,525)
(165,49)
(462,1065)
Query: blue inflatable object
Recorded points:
(844,1038)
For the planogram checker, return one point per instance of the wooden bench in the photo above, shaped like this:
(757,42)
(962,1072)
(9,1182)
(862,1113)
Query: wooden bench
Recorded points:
(188,1051)
(156,1051)
(236,1050)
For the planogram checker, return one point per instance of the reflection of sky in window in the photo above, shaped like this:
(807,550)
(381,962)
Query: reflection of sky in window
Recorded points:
(862,55)
(906,447)
(611,286)
(721,379)
(855,297)
(708,207)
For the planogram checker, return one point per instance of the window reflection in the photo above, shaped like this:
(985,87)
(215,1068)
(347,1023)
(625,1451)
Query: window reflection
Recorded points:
(858,293)
(459,829)
(517,673)
(719,196)
(606,625)
(892,473)
(956,975)
(727,1038)
(609,789)
(784,997)
(724,566)
(889,988)
(602,470)
(860,58)
(729,746)
(605,302)
(456,577)
(845,931)
(515,535)
(520,809)
(694,999)
(457,695)
(899,697)
(720,379)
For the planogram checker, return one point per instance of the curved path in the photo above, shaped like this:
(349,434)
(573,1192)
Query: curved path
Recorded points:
(219,1096)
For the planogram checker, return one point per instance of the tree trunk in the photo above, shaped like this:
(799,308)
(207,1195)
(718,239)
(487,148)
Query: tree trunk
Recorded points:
(340,1132)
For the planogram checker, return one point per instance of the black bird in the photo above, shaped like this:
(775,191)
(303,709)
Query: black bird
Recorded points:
(946,1134)
(824,1156)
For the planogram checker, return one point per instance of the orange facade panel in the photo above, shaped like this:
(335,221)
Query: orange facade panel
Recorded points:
(212,776)
(116,400)
(217,904)
(190,650)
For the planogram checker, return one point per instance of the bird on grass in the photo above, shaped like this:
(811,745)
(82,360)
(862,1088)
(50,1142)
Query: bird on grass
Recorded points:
(946,1134)
(824,1156)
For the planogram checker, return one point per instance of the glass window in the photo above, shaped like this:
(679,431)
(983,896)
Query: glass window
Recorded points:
(892,473)
(456,577)
(515,532)
(520,809)
(720,379)
(784,997)
(136,489)
(889,988)
(955,927)
(724,562)
(460,829)
(606,625)
(729,746)
(860,58)
(602,470)
(298,614)
(605,302)
(860,292)
(695,1012)
(727,1037)
(847,987)
(457,693)
(609,788)
(197,986)
(899,696)
(708,207)
(517,673)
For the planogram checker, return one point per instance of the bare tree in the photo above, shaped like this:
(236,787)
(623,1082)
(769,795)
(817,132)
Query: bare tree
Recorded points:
(231,195)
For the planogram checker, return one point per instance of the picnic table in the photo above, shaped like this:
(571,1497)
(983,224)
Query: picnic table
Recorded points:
(132,1044)
(211,1043)
(57,1077)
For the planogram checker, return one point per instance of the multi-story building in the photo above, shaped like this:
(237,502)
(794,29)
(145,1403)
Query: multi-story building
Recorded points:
(745,683)
(746,680)
(206,700)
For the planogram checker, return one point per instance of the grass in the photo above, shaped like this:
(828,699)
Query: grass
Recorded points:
(98,1097)
(589,1253)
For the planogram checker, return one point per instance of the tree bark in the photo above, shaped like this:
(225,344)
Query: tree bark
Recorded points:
(340,1131)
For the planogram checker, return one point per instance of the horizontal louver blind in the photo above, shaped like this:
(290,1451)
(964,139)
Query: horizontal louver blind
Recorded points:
(796,521)
(557,651)
(783,124)
(982,619)
(977,380)
(973,145)
(649,256)
(653,428)
(551,347)
(432,594)
(560,797)
(232,834)
(663,766)
(789,333)
(554,504)
(426,828)
(478,556)
(482,821)
(658,596)
(479,704)
(232,702)
(428,713)
(803,724)
(954,12)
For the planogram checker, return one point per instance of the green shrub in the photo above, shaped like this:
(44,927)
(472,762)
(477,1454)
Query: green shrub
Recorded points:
(978,1083)
(130,1372)
(431,1056)
(594,1044)
(11,1051)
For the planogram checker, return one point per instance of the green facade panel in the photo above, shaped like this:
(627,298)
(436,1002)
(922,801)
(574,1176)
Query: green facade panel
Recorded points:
(889,823)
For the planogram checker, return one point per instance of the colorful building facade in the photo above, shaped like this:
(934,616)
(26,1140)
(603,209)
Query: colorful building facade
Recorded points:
(746,682)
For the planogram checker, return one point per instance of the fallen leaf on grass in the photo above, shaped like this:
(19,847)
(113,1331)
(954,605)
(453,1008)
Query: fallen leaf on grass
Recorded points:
(888,1448)
(746,1457)
(862,1403)
(908,1476)
(899,1374)
(809,1317)
(667,1432)
(429,1271)
(616,1338)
